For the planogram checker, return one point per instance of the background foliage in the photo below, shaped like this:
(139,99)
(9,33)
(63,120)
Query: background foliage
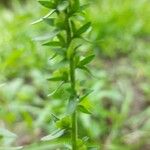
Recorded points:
(121,112)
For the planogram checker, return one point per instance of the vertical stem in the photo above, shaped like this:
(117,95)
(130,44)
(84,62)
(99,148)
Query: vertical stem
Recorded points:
(74,133)
(74,115)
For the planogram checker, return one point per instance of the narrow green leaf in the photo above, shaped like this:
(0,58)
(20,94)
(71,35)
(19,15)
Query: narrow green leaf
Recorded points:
(64,123)
(61,40)
(84,68)
(46,16)
(53,43)
(84,109)
(85,95)
(46,3)
(59,86)
(83,29)
(59,51)
(59,78)
(47,36)
(85,106)
(86,60)
(54,135)
(72,49)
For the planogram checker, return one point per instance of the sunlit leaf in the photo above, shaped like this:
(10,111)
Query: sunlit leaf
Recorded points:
(83,29)
(55,91)
(53,43)
(49,36)
(56,134)
(61,40)
(43,18)
(59,78)
(85,106)
(84,109)
(86,60)
(64,123)
(46,3)
(85,95)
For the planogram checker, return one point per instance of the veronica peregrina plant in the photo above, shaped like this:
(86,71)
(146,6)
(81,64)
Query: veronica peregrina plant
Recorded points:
(68,29)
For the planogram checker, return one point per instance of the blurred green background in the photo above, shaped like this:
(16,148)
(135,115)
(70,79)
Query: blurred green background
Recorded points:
(121,97)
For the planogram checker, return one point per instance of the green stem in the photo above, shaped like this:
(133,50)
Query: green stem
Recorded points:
(74,133)
(74,115)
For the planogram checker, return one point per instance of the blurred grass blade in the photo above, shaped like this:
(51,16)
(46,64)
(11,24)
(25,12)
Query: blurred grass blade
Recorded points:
(11,148)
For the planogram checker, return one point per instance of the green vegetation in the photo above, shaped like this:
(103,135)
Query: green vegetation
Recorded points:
(120,78)
(64,41)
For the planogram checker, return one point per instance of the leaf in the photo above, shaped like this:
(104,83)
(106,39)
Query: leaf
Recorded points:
(64,123)
(84,109)
(53,43)
(85,95)
(59,86)
(47,3)
(41,19)
(85,69)
(83,29)
(86,60)
(59,78)
(59,51)
(56,134)
(60,75)
(72,49)
(47,36)
(85,106)
(62,6)
(88,71)
(61,40)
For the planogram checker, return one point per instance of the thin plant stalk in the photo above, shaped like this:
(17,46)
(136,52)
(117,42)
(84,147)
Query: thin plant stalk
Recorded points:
(73,85)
